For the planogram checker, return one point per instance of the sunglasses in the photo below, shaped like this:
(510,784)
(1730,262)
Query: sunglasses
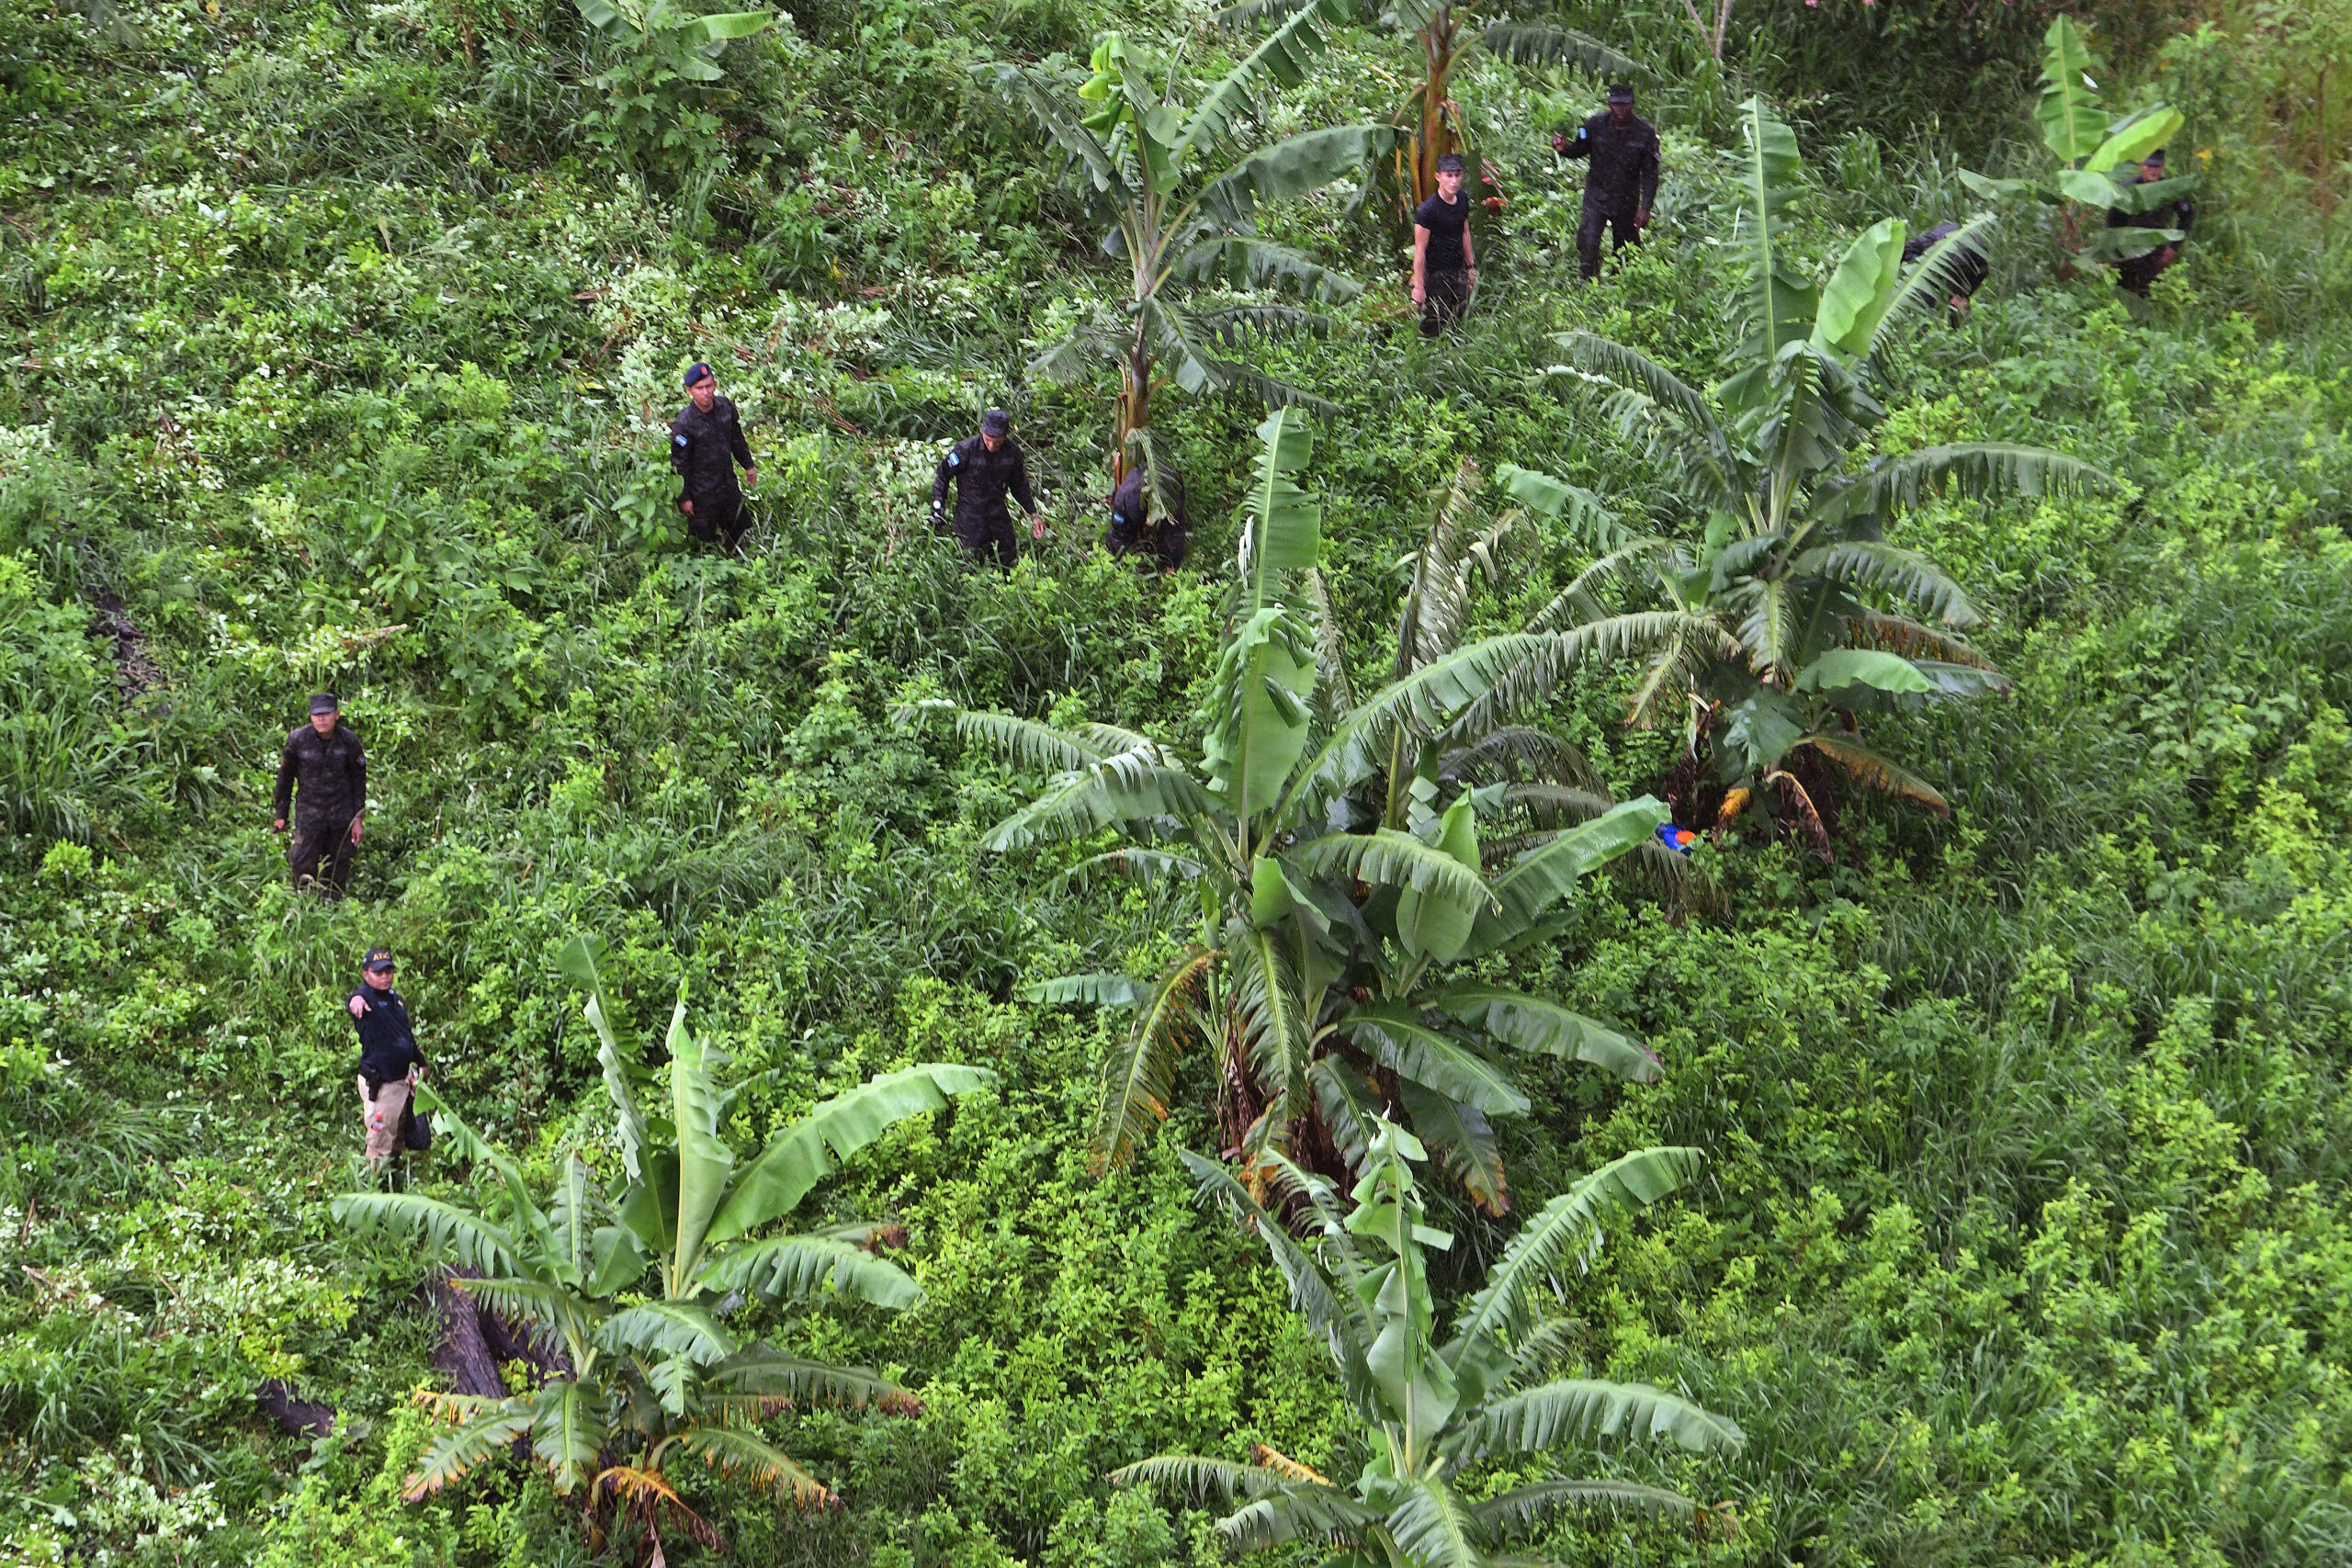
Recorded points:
(380,969)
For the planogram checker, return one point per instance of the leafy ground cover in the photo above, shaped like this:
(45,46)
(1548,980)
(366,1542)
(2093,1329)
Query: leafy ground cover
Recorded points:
(339,335)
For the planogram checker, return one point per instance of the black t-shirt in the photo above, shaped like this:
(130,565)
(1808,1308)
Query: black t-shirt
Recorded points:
(387,1045)
(1445,225)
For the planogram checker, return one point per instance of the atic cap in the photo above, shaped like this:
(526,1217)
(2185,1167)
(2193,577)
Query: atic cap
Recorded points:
(2156,157)
(1449,162)
(377,958)
(698,373)
(1619,93)
(326,702)
(997,423)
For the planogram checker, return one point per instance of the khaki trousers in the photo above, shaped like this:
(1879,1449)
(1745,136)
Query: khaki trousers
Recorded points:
(383,1115)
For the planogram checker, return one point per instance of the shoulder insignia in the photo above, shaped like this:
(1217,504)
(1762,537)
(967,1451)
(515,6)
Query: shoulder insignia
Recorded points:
(954,458)
(680,440)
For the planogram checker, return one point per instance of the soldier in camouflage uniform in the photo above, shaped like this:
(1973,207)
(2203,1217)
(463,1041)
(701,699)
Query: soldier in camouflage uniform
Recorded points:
(983,470)
(323,774)
(706,443)
(1621,180)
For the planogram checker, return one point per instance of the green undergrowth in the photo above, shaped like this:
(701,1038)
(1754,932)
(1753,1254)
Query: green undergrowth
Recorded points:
(337,347)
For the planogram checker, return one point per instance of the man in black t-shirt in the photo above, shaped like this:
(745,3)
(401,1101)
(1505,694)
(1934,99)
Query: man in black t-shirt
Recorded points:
(389,1062)
(1445,270)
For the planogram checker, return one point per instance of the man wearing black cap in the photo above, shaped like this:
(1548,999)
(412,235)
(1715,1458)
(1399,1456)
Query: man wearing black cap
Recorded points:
(984,469)
(389,1061)
(1445,269)
(324,759)
(706,443)
(1620,181)
(2136,273)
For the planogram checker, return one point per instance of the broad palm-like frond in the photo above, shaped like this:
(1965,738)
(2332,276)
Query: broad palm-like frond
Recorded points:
(1426,1412)
(1138,1076)
(1974,470)
(745,1457)
(1565,1231)
(1539,1419)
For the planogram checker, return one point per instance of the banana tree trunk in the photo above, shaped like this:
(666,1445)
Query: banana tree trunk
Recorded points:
(1135,405)
(1434,136)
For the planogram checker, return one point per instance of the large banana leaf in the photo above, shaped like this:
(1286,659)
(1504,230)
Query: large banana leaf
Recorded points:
(667,1329)
(486,1431)
(1545,875)
(745,1456)
(1138,1076)
(802,1154)
(1523,1506)
(1878,773)
(1285,525)
(1394,1035)
(1538,1025)
(449,1230)
(1462,1138)
(2138,135)
(1566,1231)
(721,25)
(1539,1419)
(2072,125)
(1978,470)
(1391,859)
(619,1050)
(1544,44)
(568,1433)
(1431,925)
(1862,289)
(1064,130)
(1294,166)
(1433,1526)
(1283,56)
(1780,301)
(793,1266)
(1259,717)
(1861,667)
(705,1162)
(1128,787)
(1339,1314)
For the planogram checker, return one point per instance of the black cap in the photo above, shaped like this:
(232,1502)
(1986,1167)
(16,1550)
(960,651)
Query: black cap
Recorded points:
(326,702)
(1619,93)
(1449,162)
(377,958)
(696,372)
(997,423)
(2156,157)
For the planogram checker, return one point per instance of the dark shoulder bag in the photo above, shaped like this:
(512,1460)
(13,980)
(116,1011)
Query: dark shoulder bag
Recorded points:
(416,1127)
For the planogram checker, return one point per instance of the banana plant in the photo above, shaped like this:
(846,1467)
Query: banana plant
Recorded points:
(1323,967)
(2097,157)
(1179,187)
(627,1282)
(1545,784)
(665,53)
(1781,622)
(1430,1409)
(685,43)
(1446,36)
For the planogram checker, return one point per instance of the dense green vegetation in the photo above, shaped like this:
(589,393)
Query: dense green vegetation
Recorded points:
(340,340)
